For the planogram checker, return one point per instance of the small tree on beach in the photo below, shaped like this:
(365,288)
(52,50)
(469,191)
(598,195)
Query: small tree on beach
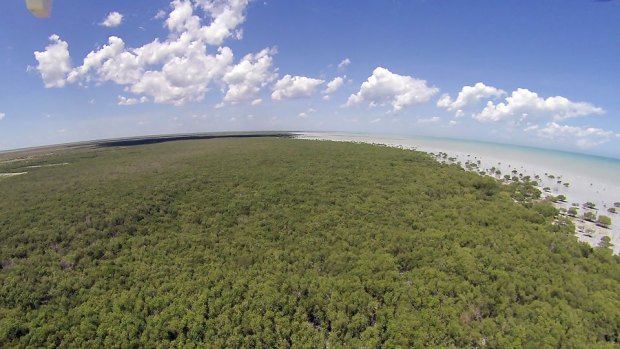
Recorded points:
(589,205)
(589,216)
(603,221)
(611,210)
(561,198)
(572,212)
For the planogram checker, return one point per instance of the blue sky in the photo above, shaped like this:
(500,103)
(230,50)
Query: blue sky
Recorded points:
(542,73)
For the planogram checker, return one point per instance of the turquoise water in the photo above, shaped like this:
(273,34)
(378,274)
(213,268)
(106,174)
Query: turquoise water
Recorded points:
(596,168)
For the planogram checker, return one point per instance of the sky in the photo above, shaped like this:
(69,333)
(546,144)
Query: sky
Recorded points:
(536,73)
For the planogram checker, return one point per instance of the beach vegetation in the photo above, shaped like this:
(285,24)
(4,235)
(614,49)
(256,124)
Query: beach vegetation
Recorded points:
(617,204)
(612,210)
(603,221)
(572,211)
(589,216)
(589,205)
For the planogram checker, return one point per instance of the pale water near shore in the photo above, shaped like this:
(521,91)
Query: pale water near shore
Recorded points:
(591,178)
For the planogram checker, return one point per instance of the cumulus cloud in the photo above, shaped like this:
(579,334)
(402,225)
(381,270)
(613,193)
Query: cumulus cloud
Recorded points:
(131,101)
(184,79)
(584,137)
(113,19)
(54,62)
(523,103)
(2,115)
(225,16)
(333,85)
(345,62)
(245,79)
(95,59)
(386,88)
(176,70)
(468,96)
(295,87)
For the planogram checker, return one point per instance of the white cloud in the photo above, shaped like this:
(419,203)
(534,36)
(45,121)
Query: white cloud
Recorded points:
(131,101)
(114,19)
(306,113)
(95,59)
(584,137)
(257,101)
(182,18)
(468,97)
(160,14)
(524,103)
(2,115)
(333,85)
(431,120)
(295,87)
(386,88)
(184,79)
(176,70)
(54,62)
(225,17)
(374,121)
(345,62)
(245,79)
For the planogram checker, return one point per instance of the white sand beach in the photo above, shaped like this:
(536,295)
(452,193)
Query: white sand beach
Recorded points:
(580,178)
(12,174)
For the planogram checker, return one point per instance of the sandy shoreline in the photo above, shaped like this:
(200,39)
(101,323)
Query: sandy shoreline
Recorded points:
(579,184)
